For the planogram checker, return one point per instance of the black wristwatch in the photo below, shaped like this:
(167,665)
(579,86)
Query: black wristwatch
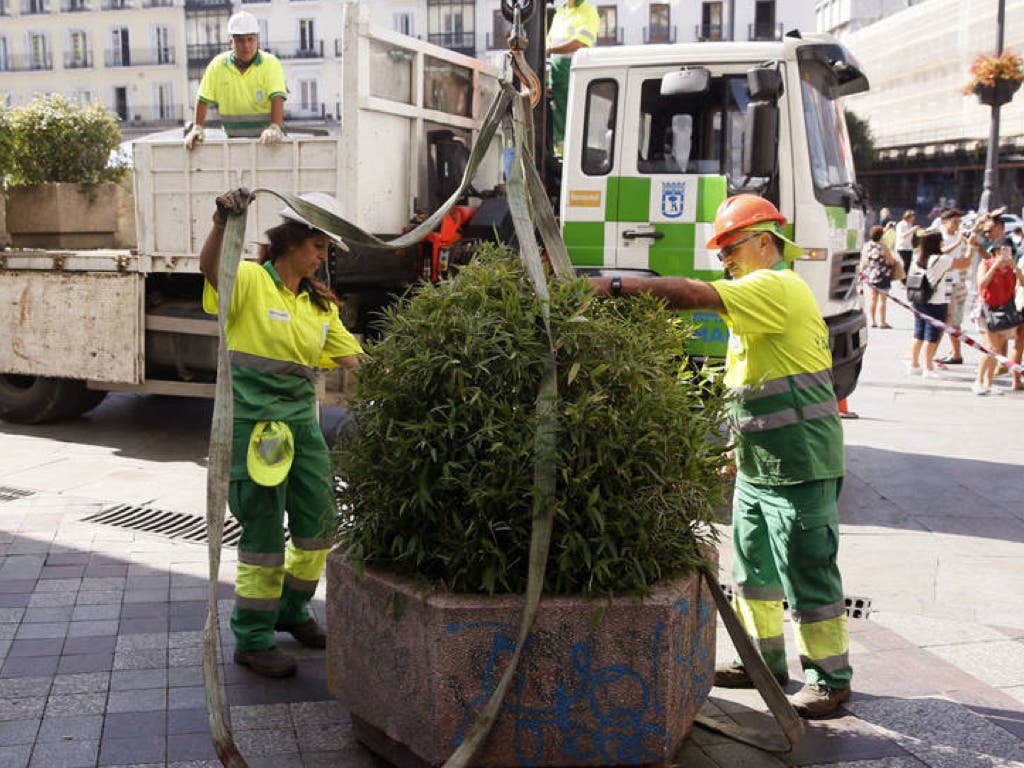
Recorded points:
(615,287)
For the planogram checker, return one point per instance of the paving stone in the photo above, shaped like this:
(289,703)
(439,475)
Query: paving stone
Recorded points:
(16,688)
(67,558)
(77,728)
(110,611)
(140,660)
(125,725)
(319,713)
(316,738)
(15,756)
(18,732)
(48,646)
(49,599)
(61,571)
(186,697)
(85,662)
(178,676)
(93,628)
(21,708)
(14,601)
(162,582)
(906,761)
(100,597)
(139,749)
(40,630)
(156,624)
(134,679)
(256,717)
(15,586)
(7,631)
(997,663)
(72,704)
(94,584)
(11,615)
(178,657)
(142,642)
(89,682)
(187,622)
(269,741)
(191,746)
(29,666)
(64,586)
(61,613)
(144,700)
(144,609)
(190,639)
(145,595)
(275,761)
(65,754)
(90,644)
(188,720)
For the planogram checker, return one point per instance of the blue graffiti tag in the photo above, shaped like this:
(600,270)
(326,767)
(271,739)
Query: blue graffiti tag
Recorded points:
(624,736)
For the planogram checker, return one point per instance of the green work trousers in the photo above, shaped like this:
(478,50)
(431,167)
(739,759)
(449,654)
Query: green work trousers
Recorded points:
(559,97)
(275,583)
(786,540)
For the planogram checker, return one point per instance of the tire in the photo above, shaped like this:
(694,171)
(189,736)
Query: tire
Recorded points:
(39,399)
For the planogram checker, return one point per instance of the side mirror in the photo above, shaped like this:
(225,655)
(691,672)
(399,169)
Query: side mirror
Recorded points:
(764,83)
(686,81)
(760,139)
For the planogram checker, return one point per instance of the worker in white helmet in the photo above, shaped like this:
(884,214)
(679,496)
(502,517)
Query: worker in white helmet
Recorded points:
(245,84)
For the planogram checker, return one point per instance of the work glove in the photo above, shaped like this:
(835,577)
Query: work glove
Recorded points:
(272,134)
(232,202)
(195,135)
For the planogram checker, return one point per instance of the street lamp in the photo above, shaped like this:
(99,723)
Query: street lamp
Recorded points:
(990,184)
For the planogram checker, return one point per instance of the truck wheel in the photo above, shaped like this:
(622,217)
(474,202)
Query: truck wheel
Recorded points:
(38,399)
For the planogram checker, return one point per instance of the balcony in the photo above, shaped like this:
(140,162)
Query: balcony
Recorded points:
(660,35)
(154,115)
(20,62)
(246,2)
(200,55)
(116,5)
(708,32)
(137,57)
(74,6)
(200,5)
(5,8)
(34,7)
(764,31)
(613,36)
(157,3)
(460,42)
(297,49)
(316,111)
(81,60)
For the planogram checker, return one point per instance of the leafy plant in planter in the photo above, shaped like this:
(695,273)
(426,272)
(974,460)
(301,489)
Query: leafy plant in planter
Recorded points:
(439,492)
(55,140)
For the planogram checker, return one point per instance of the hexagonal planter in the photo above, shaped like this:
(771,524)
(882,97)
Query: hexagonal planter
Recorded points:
(602,682)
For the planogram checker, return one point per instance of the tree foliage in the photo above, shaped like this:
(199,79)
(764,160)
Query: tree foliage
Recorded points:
(439,477)
(52,139)
(862,143)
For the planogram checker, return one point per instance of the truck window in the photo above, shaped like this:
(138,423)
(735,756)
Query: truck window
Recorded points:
(599,127)
(693,133)
(830,156)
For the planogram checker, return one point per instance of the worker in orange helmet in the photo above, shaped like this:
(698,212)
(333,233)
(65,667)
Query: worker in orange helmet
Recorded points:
(788,447)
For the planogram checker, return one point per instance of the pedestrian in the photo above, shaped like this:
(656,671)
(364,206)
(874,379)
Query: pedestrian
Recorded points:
(788,446)
(904,238)
(955,243)
(998,278)
(935,264)
(877,264)
(282,326)
(245,84)
(575,25)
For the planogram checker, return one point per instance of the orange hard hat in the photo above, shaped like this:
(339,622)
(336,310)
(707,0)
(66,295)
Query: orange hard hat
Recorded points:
(739,213)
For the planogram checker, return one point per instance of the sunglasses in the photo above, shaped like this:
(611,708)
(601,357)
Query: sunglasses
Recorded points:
(730,249)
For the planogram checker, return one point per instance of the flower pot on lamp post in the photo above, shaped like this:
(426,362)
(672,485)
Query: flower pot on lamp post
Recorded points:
(998,94)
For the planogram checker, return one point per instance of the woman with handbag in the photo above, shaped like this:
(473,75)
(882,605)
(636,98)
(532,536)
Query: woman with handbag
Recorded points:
(878,265)
(998,277)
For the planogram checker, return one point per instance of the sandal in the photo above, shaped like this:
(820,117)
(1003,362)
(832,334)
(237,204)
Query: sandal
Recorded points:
(950,360)
(885,325)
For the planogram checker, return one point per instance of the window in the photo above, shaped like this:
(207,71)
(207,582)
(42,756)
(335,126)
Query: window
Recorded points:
(307,39)
(163,101)
(81,96)
(608,32)
(764,21)
(693,133)
(499,31)
(31,7)
(450,23)
(39,50)
(162,43)
(5,56)
(308,99)
(264,33)
(658,31)
(119,54)
(121,101)
(710,22)
(599,127)
(403,24)
(78,49)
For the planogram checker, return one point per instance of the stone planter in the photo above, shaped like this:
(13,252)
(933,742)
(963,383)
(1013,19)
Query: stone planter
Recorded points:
(64,215)
(5,239)
(601,683)
(997,95)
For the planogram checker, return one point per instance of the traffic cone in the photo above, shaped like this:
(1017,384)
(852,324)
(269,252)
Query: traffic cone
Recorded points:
(845,412)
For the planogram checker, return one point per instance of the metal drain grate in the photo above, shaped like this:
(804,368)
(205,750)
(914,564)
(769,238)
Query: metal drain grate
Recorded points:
(856,607)
(176,525)
(10,494)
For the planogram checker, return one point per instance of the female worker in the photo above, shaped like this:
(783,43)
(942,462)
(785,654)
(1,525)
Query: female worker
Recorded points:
(282,326)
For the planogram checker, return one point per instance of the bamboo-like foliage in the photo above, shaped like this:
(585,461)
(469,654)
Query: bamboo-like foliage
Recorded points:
(438,479)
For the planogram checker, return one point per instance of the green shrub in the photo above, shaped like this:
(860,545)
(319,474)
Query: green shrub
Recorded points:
(6,145)
(53,139)
(439,476)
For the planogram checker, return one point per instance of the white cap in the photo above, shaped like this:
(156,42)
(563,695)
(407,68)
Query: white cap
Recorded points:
(320,200)
(243,23)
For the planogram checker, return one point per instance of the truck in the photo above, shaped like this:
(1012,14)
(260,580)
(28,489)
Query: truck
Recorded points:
(656,137)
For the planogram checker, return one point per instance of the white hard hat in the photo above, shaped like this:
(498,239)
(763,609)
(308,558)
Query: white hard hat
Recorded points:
(320,200)
(243,23)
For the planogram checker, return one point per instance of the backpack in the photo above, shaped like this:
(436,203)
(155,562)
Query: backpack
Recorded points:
(919,290)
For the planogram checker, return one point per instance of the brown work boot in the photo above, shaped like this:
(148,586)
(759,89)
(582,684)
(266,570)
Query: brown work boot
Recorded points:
(269,663)
(735,676)
(813,701)
(308,633)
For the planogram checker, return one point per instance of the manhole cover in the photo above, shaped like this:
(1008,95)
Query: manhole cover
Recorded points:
(175,525)
(10,494)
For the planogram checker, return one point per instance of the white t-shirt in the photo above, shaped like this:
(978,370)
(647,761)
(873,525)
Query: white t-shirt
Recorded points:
(904,234)
(938,270)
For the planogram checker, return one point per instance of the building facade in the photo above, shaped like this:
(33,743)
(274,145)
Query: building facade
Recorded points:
(143,59)
(931,138)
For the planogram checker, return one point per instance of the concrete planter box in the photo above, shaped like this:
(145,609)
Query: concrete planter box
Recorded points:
(602,683)
(64,215)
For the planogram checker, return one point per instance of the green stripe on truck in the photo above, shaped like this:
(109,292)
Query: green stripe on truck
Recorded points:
(711,191)
(585,242)
(628,199)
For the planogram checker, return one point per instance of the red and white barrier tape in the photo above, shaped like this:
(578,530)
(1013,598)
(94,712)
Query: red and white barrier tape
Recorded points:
(954,332)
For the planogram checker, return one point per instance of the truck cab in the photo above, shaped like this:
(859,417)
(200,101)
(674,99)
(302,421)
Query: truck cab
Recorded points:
(658,135)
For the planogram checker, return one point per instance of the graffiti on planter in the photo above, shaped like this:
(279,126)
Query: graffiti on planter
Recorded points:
(575,711)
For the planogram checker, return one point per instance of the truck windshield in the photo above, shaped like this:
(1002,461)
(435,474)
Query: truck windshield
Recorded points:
(827,143)
(693,133)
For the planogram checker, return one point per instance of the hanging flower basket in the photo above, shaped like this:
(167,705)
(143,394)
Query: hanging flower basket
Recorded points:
(994,79)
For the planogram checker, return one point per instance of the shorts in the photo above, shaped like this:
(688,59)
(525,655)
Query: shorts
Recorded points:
(957,304)
(882,284)
(925,331)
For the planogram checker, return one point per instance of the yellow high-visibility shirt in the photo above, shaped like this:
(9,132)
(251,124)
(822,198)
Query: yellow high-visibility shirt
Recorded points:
(243,98)
(580,23)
